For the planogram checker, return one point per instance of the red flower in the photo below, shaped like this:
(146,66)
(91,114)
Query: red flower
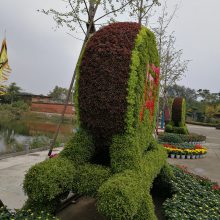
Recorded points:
(215,187)
(198,146)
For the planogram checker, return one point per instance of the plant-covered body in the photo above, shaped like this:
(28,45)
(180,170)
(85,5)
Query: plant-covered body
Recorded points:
(116,98)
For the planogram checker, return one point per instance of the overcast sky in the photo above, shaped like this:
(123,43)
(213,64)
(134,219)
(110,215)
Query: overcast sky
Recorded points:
(41,58)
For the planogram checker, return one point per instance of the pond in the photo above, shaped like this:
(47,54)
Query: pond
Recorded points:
(17,135)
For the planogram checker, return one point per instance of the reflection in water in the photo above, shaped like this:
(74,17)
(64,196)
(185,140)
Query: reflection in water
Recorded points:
(15,135)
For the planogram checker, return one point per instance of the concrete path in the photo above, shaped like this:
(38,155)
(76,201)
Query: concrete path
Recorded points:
(12,171)
(210,165)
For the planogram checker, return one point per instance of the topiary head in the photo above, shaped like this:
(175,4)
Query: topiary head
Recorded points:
(117,82)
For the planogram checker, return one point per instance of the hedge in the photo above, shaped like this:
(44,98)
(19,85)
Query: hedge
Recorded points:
(177,123)
(46,182)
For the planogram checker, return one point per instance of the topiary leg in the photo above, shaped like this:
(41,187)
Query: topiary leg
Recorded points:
(146,211)
(47,181)
(80,148)
(121,195)
(89,178)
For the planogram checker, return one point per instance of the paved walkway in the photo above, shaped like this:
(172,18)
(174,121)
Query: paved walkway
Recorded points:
(210,165)
(12,170)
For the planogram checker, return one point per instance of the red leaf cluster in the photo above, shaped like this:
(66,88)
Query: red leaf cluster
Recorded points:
(177,110)
(103,81)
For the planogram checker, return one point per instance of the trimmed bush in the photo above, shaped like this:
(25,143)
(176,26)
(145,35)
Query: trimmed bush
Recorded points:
(80,148)
(49,180)
(178,124)
(89,178)
(114,153)
(180,138)
(170,138)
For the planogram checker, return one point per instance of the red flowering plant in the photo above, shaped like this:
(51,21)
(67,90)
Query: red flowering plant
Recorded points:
(151,85)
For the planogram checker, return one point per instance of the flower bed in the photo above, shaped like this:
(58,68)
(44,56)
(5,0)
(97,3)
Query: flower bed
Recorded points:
(183,151)
(181,138)
(24,214)
(193,197)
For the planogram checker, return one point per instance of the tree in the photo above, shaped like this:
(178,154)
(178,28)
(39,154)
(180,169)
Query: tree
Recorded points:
(139,9)
(181,91)
(172,64)
(12,93)
(59,94)
(77,10)
(85,14)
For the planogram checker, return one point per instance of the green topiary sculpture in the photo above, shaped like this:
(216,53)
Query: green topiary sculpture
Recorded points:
(115,156)
(178,124)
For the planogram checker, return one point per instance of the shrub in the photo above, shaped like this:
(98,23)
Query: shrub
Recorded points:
(89,178)
(194,198)
(180,130)
(80,148)
(169,128)
(170,138)
(49,180)
(119,197)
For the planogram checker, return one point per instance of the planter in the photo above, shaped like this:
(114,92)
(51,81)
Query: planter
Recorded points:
(188,156)
(172,156)
(177,156)
(193,156)
(183,156)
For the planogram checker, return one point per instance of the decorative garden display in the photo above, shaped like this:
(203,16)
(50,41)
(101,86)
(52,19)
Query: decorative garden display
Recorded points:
(113,155)
(177,123)
(185,151)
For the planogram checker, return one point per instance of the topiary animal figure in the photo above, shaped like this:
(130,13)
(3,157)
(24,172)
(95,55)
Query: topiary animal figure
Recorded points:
(115,156)
(178,120)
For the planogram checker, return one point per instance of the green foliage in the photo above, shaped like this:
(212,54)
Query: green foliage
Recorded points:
(180,130)
(80,148)
(144,53)
(49,180)
(130,189)
(123,190)
(39,141)
(180,138)
(59,94)
(170,138)
(5,214)
(12,93)
(162,183)
(169,128)
(194,198)
(89,178)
